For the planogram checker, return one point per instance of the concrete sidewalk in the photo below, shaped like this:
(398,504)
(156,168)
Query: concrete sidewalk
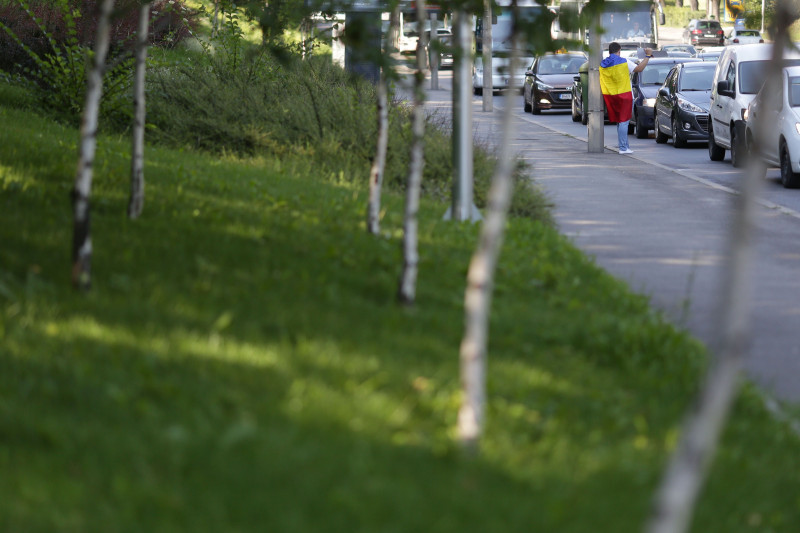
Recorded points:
(665,235)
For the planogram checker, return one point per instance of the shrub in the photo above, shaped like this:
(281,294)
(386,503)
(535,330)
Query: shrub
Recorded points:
(48,44)
(40,24)
(311,109)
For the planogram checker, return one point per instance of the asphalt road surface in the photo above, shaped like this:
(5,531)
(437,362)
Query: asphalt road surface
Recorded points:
(659,219)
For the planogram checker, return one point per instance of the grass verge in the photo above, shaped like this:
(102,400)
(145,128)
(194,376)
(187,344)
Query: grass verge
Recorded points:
(241,365)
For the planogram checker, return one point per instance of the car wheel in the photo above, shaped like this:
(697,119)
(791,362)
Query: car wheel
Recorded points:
(641,131)
(478,91)
(534,108)
(584,115)
(661,137)
(575,115)
(677,140)
(738,148)
(789,178)
(526,106)
(715,151)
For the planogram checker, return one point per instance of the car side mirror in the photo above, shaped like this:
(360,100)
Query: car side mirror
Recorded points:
(663,91)
(723,88)
(576,78)
(528,73)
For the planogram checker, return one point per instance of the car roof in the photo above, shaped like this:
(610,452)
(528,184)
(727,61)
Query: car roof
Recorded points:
(751,52)
(697,64)
(672,59)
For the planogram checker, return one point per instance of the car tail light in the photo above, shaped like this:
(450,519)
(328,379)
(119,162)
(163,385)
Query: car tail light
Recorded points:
(697,32)
(736,40)
(720,32)
(761,40)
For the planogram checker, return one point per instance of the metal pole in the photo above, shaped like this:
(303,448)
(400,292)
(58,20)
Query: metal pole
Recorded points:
(762,19)
(462,120)
(596,121)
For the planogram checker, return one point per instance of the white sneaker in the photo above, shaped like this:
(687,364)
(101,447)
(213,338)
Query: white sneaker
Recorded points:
(628,151)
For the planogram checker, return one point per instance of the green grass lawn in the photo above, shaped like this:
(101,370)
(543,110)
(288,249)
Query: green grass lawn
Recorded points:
(240,365)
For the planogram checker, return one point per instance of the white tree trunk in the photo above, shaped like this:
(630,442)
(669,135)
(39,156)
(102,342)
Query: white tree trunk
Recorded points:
(407,289)
(480,277)
(81,192)
(139,110)
(379,163)
(677,496)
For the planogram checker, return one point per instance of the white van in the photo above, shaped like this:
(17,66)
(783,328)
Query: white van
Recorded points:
(737,79)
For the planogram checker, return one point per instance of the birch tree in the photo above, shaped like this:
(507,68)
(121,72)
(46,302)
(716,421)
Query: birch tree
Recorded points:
(81,192)
(139,110)
(480,276)
(379,162)
(679,490)
(406,291)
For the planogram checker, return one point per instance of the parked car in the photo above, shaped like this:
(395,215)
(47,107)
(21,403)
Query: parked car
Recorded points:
(580,96)
(712,55)
(681,108)
(679,48)
(738,77)
(445,36)
(501,76)
(580,84)
(742,36)
(645,85)
(777,105)
(548,81)
(704,31)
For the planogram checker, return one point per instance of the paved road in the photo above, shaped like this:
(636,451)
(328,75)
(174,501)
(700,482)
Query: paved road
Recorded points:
(664,232)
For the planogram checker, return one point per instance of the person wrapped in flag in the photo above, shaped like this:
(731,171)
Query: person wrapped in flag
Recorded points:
(615,84)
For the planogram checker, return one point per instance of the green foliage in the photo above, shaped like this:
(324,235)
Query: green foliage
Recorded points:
(241,365)
(59,76)
(236,97)
(679,17)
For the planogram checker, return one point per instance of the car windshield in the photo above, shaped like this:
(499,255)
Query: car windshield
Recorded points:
(708,25)
(752,74)
(697,79)
(655,74)
(561,64)
(794,91)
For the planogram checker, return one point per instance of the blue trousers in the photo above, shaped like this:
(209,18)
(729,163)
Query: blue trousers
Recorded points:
(622,135)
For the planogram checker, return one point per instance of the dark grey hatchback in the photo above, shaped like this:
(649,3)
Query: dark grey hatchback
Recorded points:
(645,85)
(548,81)
(681,108)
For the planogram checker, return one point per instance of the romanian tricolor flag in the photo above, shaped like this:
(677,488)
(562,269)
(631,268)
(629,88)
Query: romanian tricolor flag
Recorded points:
(615,83)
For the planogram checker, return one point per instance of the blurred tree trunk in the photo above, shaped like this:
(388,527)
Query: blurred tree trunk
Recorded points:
(713,9)
(406,292)
(480,277)
(379,162)
(136,202)
(215,20)
(679,3)
(693,4)
(487,93)
(676,498)
(394,27)
(81,192)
